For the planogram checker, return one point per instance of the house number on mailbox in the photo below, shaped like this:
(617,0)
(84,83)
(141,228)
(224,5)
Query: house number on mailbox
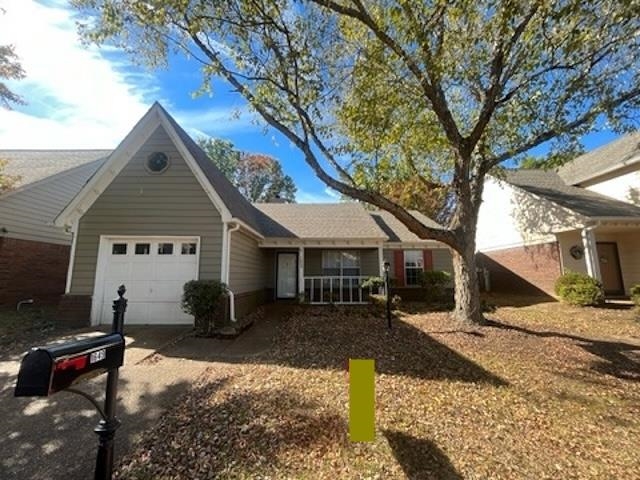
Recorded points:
(97,356)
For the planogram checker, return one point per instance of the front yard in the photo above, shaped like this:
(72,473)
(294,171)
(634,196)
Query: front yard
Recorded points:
(545,391)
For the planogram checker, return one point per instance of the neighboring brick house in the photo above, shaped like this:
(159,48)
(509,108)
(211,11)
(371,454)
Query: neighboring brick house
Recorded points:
(535,224)
(34,254)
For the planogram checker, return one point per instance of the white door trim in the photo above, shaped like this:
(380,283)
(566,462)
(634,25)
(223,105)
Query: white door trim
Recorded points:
(98,284)
(294,274)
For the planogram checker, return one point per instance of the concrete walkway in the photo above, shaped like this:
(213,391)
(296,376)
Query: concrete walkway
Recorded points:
(53,437)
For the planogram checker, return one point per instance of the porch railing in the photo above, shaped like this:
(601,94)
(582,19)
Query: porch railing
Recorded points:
(322,289)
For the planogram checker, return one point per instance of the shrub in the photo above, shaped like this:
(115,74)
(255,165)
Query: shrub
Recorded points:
(579,289)
(435,281)
(206,301)
(635,294)
(380,301)
(373,284)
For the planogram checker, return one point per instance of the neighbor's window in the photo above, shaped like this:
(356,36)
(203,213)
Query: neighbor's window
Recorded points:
(413,266)
(188,249)
(165,249)
(143,248)
(119,249)
(341,263)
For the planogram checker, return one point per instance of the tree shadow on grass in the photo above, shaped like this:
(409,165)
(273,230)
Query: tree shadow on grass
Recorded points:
(240,433)
(420,458)
(326,338)
(53,437)
(329,340)
(618,359)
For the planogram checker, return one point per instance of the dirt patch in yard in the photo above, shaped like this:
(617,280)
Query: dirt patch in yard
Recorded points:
(544,391)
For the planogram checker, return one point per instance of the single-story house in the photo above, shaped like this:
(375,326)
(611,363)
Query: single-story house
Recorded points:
(585,217)
(157,213)
(34,254)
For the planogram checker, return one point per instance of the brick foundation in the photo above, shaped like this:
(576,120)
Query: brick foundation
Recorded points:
(74,310)
(530,270)
(30,269)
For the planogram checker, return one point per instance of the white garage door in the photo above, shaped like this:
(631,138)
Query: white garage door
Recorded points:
(154,270)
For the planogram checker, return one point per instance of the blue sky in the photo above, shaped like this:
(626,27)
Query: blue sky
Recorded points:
(90,98)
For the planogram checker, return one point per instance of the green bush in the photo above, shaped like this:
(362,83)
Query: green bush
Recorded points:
(579,289)
(206,301)
(635,294)
(373,283)
(380,301)
(435,281)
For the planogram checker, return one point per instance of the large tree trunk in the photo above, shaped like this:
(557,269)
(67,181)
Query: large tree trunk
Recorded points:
(467,292)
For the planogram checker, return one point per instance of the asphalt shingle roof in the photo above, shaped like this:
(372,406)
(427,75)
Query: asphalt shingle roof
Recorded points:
(610,157)
(345,220)
(396,230)
(34,165)
(550,185)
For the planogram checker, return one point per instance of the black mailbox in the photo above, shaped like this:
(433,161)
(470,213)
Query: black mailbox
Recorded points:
(46,370)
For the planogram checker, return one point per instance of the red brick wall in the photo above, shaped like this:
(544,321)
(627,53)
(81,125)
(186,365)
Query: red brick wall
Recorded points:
(526,270)
(29,269)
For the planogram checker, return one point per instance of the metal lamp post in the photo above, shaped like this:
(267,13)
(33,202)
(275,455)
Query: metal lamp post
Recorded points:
(386,266)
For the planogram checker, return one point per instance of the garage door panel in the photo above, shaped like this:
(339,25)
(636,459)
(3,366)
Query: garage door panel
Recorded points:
(141,270)
(154,281)
(167,290)
(118,269)
(175,271)
(139,290)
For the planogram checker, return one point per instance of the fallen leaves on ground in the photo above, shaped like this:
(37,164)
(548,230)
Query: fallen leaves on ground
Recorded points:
(544,391)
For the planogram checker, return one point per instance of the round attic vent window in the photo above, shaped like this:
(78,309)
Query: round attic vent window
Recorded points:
(576,252)
(157,162)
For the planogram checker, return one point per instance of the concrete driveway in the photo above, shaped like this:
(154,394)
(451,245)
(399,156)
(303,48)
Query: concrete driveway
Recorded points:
(53,437)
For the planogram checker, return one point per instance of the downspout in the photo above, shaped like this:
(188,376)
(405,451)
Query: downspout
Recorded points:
(227,268)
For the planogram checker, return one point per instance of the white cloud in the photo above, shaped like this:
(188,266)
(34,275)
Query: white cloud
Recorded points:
(216,122)
(326,196)
(77,98)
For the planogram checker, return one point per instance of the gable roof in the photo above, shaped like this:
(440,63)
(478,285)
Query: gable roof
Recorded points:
(34,165)
(608,158)
(345,220)
(397,231)
(348,220)
(239,207)
(549,185)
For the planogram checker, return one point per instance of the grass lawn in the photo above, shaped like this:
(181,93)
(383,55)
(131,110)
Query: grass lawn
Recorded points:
(545,391)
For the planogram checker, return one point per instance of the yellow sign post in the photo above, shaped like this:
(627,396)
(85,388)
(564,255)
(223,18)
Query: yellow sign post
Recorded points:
(362,400)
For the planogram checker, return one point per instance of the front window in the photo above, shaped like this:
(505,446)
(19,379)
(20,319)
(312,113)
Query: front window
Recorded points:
(413,266)
(341,263)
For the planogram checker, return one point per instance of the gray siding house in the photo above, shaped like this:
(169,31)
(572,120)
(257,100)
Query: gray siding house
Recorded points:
(158,213)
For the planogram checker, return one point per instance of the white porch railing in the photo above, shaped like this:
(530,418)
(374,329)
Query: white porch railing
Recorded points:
(346,290)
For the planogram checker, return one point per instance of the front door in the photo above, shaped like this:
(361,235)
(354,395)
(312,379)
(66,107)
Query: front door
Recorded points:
(287,275)
(610,268)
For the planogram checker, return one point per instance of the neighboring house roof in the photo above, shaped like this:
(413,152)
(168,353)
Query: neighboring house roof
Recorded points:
(347,220)
(550,185)
(397,231)
(28,212)
(33,165)
(615,155)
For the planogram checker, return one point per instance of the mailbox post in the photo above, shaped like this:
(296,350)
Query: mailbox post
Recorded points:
(47,370)
(106,429)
